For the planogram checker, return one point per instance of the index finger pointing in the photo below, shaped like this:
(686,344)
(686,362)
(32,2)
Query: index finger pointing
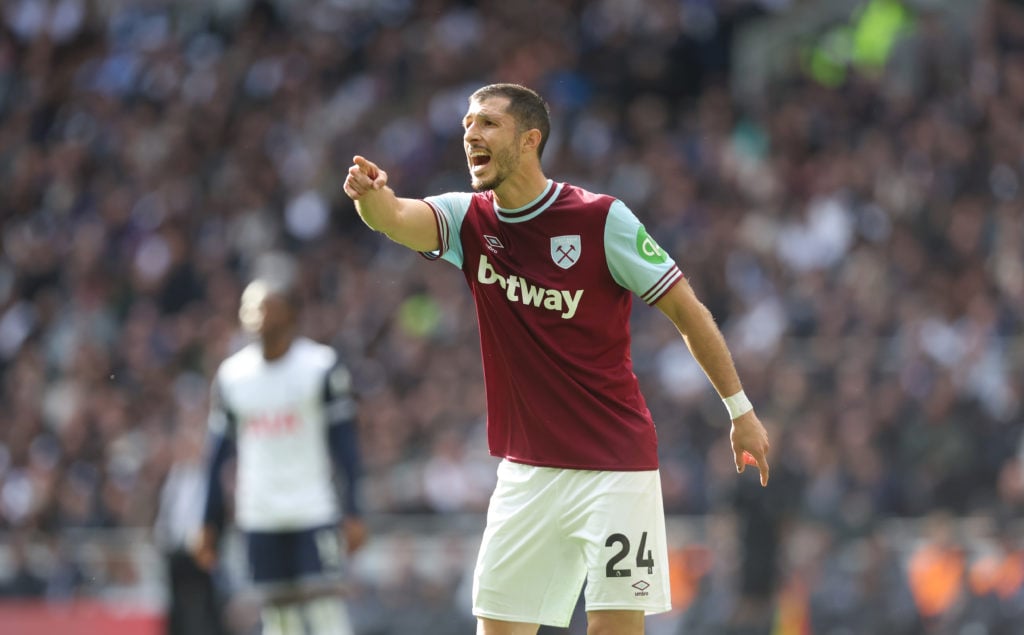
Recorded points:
(369,168)
(762,467)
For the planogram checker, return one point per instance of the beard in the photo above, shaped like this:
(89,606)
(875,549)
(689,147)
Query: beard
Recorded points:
(504,163)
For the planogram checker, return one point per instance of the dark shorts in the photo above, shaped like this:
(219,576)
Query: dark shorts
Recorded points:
(301,558)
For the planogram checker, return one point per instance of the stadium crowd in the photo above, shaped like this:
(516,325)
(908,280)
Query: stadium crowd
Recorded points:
(861,243)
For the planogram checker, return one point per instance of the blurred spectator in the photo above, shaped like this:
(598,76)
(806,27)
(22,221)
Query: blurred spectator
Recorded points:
(763,519)
(195,604)
(863,588)
(937,570)
(24,581)
(996,582)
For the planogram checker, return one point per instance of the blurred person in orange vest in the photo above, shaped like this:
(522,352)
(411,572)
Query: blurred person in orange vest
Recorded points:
(996,582)
(937,569)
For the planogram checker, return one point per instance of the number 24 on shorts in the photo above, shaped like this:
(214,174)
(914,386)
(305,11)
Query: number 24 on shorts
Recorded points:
(644,558)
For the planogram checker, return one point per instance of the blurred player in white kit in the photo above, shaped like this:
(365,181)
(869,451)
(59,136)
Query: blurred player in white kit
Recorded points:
(283,407)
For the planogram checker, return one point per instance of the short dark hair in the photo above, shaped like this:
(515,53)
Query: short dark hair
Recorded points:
(277,273)
(524,104)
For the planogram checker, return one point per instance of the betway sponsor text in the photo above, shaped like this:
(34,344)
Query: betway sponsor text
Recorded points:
(519,289)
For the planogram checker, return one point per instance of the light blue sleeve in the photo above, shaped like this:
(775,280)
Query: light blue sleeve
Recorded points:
(635,260)
(450,210)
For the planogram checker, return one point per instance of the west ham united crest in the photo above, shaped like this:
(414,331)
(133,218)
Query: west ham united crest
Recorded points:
(565,250)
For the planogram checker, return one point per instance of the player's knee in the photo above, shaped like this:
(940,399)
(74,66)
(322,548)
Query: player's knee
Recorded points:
(322,616)
(327,615)
(615,622)
(281,619)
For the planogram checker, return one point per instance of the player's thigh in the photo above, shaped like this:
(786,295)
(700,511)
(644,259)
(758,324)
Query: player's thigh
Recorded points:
(485,626)
(615,622)
(623,534)
(528,570)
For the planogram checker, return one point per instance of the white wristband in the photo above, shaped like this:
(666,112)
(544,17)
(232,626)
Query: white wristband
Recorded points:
(738,405)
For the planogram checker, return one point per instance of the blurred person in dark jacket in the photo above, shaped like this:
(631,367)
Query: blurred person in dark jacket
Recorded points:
(195,605)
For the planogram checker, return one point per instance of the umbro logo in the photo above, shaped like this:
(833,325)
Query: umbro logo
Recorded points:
(641,588)
(493,243)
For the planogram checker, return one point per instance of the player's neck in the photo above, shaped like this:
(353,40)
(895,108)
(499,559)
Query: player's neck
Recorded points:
(521,188)
(275,346)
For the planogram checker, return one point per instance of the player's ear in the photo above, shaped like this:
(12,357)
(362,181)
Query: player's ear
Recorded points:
(530,141)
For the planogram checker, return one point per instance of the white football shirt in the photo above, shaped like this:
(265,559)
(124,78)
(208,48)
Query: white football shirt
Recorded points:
(276,411)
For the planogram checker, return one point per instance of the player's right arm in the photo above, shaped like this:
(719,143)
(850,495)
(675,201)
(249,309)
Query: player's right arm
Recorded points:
(406,221)
(221,448)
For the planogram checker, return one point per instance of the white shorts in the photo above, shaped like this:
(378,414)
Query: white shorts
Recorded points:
(550,529)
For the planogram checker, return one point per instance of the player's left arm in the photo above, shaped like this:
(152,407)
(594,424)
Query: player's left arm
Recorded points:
(707,345)
(639,264)
(343,443)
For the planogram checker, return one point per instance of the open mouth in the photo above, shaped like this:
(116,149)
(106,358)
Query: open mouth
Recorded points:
(478,161)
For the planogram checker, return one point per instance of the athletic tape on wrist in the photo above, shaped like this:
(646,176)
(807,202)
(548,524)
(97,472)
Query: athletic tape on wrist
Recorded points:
(738,405)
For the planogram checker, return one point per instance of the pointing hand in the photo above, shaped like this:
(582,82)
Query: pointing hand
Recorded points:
(750,445)
(364,176)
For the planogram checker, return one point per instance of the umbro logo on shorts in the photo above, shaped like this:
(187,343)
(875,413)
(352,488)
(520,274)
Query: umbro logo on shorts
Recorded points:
(641,588)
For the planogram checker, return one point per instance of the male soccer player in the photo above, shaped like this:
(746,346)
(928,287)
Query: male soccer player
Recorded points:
(552,268)
(283,406)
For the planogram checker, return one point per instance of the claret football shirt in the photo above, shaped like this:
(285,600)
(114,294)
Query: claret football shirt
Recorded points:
(553,284)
